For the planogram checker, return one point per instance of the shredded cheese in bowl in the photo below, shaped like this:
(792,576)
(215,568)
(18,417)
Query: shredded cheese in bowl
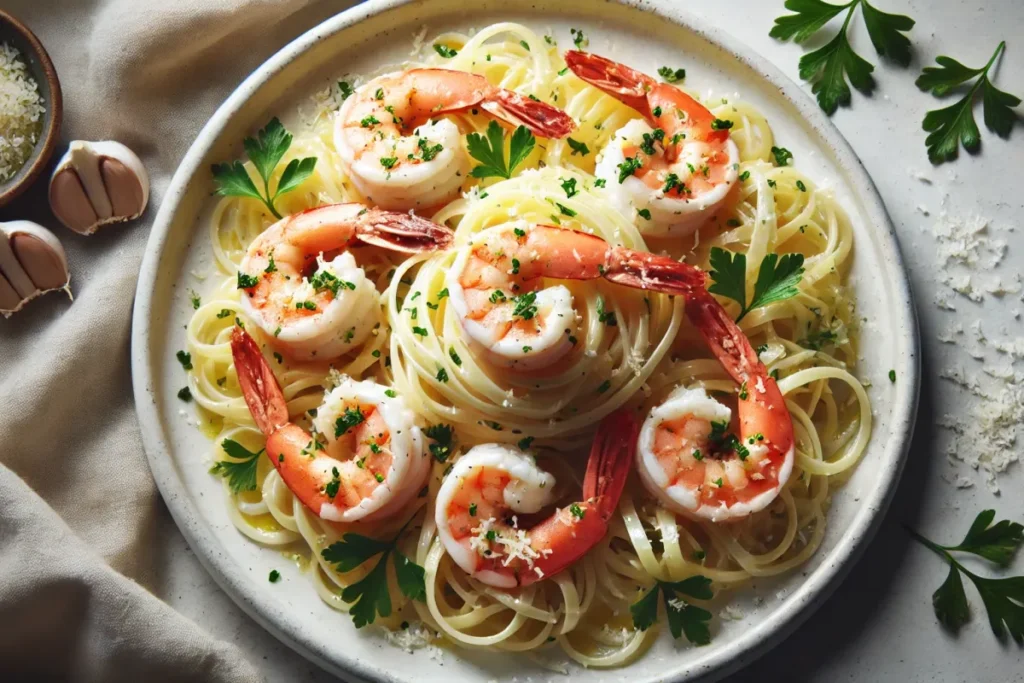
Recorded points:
(21,112)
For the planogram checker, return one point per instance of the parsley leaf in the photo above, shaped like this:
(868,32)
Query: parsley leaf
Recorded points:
(445,51)
(950,126)
(829,67)
(241,472)
(444,439)
(995,542)
(777,278)
(683,618)
(490,151)
(350,419)
(578,147)
(370,595)
(1003,598)
(265,152)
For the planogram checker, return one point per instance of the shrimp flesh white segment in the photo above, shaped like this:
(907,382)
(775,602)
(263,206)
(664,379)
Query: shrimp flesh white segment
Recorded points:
(689,457)
(683,164)
(307,294)
(366,457)
(401,156)
(506,309)
(479,502)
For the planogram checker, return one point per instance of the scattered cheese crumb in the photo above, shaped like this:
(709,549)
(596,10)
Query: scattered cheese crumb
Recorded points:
(416,637)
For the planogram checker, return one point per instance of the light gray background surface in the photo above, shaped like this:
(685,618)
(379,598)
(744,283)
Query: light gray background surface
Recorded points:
(879,626)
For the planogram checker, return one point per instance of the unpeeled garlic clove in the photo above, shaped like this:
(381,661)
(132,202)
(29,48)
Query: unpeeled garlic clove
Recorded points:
(96,183)
(32,262)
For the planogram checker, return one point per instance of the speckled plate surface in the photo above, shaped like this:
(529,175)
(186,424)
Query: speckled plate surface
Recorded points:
(645,35)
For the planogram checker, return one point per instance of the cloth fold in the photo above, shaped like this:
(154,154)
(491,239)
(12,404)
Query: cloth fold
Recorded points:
(82,527)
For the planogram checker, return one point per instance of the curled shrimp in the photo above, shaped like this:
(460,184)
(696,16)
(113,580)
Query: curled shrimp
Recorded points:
(312,307)
(479,502)
(507,309)
(366,457)
(401,156)
(689,456)
(678,164)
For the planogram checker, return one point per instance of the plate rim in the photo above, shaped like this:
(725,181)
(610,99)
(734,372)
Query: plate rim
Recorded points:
(792,611)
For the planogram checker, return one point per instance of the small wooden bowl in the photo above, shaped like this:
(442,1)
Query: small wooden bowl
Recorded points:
(16,34)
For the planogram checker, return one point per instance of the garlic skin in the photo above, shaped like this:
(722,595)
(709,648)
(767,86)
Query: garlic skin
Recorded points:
(96,183)
(32,263)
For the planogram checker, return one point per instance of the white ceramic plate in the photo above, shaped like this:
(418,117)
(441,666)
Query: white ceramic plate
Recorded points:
(645,37)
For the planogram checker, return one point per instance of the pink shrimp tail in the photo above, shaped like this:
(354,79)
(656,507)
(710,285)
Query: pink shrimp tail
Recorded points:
(642,270)
(725,338)
(259,386)
(541,118)
(618,80)
(401,231)
(611,458)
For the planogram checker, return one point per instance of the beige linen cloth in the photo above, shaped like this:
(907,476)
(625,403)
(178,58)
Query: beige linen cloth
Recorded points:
(82,525)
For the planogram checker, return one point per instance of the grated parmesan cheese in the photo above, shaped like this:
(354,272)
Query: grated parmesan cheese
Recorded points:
(416,637)
(21,112)
(510,543)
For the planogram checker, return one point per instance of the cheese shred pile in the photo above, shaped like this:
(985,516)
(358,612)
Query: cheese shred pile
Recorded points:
(21,112)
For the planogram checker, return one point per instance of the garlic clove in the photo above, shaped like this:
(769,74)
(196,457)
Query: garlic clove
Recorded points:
(69,201)
(96,183)
(32,263)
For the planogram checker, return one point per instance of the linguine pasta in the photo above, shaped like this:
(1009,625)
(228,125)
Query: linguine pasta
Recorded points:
(634,348)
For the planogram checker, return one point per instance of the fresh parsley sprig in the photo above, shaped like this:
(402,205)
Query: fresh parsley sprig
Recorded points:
(241,472)
(370,596)
(490,151)
(952,125)
(1003,598)
(265,152)
(829,66)
(777,278)
(683,618)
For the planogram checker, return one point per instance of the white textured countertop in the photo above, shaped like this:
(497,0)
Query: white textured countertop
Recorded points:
(879,626)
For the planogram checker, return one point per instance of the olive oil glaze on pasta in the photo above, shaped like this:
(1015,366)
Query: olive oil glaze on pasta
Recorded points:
(428,385)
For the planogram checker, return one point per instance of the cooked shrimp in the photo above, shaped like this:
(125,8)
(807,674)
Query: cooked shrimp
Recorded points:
(312,307)
(679,164)
(689,456)
(518,320)
(366,457)
(479,502)
(401,156)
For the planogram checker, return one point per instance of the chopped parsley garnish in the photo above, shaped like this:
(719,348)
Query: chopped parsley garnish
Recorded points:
(628,167)
(718,482)
(420,331)
(721,124)
(379,95)
(566,211)
(892,376)
(444,438)
(525,443)
(777,279)
(525,305)
(368,121)
(390,393)
(578,147)
(605,386)
(472,509)
(515,266)
(644,213)
(744,176)
(351,418)
(490,151)
(671,75)
(683,618)
(428,152)
(569,185)
(445,51)
(388,162)
(800,186)
(606,317)
(454,356)
(1003,598)
(196,300)
(185,359)
(265,152)
(247,281)
(370,596)
(599,182)
(274,576)
(442,375)
(185,394)
(782,156)
(578,39)
(497,296)
(345,89)
(334,485)
(240,472)
(577,511)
